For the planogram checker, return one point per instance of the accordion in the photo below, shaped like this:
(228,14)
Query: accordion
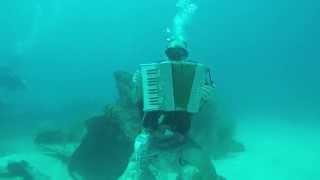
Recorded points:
(173,86)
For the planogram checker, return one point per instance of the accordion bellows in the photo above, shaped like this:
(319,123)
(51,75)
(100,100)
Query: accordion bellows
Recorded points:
(173,86)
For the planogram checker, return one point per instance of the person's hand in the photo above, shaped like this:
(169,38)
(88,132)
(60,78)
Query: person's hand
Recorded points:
(206,92)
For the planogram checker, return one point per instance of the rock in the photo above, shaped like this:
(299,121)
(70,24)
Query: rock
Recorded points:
(104,151)
(106,148)
(125,86)
(127,118)
(22,169)
(213,128)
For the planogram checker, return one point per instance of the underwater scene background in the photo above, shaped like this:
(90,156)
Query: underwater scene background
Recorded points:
(58,58)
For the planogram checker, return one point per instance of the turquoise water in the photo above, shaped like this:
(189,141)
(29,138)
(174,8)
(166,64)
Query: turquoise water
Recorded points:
(264,56)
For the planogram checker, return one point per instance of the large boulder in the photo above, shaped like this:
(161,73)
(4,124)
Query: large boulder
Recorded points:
(32,166)
(106,148)
(213,128)
(104,151)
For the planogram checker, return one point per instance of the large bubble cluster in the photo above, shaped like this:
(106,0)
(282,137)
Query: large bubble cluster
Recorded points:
(184,14)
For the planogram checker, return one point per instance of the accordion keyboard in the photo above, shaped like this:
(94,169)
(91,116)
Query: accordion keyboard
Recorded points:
(151,85)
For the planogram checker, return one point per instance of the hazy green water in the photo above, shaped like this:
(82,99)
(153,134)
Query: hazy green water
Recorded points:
(264,54)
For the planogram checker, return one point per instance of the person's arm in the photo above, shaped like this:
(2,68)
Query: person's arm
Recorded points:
(207,90)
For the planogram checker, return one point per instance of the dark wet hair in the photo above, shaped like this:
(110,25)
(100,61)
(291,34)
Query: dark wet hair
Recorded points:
(177,53)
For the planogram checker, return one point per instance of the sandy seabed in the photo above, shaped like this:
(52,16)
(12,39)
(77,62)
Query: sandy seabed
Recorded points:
(275,150)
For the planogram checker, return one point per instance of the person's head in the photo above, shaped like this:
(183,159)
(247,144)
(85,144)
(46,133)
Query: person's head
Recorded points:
(177,51)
